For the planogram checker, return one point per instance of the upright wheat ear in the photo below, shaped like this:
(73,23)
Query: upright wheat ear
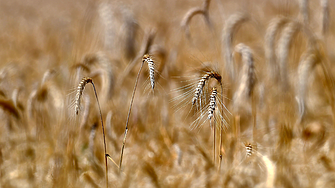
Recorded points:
(80,90)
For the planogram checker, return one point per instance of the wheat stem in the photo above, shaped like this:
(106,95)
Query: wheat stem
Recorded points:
(79,94)
(126,128)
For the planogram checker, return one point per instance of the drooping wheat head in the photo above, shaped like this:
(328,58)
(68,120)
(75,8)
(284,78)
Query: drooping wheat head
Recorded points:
(283,49)
(212,103)
(202,82)
(231,25)
(305,67)
(151,65)
(248,79)
(79,94)
(271,32)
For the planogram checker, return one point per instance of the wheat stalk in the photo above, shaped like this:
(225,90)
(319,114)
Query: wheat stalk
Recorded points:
(211,110)
(79,94)
(197,94)
(144,59)
(203,10)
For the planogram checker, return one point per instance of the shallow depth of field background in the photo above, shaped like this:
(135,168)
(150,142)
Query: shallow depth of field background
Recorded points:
(46,47)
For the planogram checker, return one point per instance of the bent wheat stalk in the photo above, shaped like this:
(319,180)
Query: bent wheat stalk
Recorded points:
(194,11)
(79,94)
(144,59)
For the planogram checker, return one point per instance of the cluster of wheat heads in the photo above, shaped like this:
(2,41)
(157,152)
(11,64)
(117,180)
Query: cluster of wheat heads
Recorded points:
(246,101)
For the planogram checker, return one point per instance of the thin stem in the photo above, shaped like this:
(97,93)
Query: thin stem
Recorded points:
(254,129)
(103,132)
(131,104)
(220,149)
(213,127)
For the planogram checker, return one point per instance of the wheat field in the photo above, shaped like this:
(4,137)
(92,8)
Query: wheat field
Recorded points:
(212,93)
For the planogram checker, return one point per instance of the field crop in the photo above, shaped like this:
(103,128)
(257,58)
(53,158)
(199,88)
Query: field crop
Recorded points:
(194,93)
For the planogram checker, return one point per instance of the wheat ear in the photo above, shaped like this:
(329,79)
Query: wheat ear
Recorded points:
(197,93)
(230,28)
(284,46)
(151,66)
(304,10)
(325,16)
(248,81)
(202,83)
(129,111)
(305,67)
(283,49)
(79,94)
(271,32)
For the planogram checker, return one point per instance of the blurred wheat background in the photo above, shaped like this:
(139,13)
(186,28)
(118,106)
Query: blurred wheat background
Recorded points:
(274,116)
